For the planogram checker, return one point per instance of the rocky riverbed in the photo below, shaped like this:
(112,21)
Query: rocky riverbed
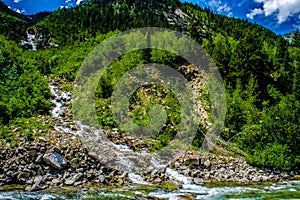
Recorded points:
(73,154)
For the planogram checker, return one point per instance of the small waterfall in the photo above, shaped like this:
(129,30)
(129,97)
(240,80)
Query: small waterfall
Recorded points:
(30,42)
(115,154)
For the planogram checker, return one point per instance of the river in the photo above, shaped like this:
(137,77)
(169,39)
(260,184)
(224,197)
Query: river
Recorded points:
(283,190)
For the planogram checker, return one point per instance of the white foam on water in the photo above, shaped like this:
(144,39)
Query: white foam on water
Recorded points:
(137,179)
(177,176)
(28,195)
(123,154)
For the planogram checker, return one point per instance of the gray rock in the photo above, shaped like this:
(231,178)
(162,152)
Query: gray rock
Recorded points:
(101,178)
(77,177)
(157,180)
(43,149)
(9,173)
(42,139)
(207,163)
(28,188)
(256,178)
(69,182)
(37,181)
(125,174)
(198,181)
(39,159)
(192,160)
(244,180)
(23,175)
(55,160)
(32,153)
(56,181)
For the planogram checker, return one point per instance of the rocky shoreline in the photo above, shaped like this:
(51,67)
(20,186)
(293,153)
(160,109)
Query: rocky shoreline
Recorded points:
(61,158)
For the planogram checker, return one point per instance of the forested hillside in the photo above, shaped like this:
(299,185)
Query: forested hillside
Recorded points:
(261,70)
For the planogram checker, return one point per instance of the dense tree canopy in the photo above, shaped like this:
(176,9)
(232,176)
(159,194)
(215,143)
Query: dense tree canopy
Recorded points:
(261,70)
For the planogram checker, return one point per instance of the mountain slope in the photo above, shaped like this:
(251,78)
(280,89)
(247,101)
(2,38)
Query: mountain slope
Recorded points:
(93,17)
(260,69)
(12,25)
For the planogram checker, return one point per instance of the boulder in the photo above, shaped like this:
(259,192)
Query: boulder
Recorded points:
(55,160)
(77,177)
(198,181)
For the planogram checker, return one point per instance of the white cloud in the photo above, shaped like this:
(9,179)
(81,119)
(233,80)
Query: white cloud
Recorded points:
(17,1)
(256,11)
(214,3)
(220,7)
(20,11)
(242,3)
(78,2)
(224,8)
(282,8)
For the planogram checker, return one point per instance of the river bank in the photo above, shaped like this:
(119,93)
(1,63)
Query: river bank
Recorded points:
(75,155)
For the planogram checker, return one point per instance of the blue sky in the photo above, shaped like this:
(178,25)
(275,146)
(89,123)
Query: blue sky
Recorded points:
(281,16)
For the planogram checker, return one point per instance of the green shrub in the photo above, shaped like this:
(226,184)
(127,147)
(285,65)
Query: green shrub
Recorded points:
(274,156)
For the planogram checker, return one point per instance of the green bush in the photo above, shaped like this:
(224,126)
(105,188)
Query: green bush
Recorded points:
(274,156)
(275,140)
(24,90)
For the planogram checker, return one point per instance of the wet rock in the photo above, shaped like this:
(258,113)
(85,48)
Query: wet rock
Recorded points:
(55,160)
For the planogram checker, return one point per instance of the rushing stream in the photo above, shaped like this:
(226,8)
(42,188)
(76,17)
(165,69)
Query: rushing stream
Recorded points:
(141,189)
(284,190)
